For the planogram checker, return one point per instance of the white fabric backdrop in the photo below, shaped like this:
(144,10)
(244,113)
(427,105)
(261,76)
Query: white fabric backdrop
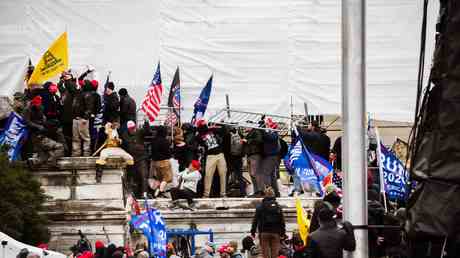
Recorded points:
(261,52)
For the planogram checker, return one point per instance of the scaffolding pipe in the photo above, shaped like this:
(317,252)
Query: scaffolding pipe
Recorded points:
(354,113)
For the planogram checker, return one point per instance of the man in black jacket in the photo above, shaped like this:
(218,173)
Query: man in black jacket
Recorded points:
(329,240)
(269,222)
(112,105)
(316,140)
(127,108)
(161,164)
(253,147)
(68,90)
(133,143)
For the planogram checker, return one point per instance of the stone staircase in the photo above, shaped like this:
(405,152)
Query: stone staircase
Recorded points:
(229,218)
(77,202)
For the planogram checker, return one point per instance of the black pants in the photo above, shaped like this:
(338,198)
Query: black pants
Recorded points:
(67,130)
(185,193)
(236,169)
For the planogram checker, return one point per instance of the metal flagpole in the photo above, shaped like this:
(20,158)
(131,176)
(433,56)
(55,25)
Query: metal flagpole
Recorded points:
(227,102)
(353,113)
(379,162)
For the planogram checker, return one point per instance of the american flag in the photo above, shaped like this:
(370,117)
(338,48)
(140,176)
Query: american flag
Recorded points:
(152,101)
(174,101)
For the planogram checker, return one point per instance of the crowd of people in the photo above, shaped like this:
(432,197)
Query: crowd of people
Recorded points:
(72,119)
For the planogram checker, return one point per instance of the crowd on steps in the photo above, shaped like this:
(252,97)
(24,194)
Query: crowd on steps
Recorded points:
(188,160)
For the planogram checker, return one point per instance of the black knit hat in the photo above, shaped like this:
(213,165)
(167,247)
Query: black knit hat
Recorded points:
(110,85)
(123,92)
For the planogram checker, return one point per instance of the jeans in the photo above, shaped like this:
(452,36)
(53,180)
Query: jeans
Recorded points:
(267,176)
(270,244)
(254,167)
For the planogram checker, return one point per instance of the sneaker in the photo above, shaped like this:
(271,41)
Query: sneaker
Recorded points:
(157,192)
(173,205)
(192,205)
(162,195)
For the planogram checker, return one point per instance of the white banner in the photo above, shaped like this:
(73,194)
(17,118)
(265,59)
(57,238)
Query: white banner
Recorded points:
(261,52)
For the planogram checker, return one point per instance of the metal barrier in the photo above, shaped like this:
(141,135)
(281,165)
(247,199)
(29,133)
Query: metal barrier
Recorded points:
(189,234)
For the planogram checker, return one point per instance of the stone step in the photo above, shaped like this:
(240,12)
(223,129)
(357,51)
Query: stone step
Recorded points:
(230,203)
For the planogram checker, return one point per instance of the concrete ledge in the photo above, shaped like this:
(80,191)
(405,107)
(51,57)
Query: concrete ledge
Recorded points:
(231,203)
(86,216)
(84,205)
(78,163)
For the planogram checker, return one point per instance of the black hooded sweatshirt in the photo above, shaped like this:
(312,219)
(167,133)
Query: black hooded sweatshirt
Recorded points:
(269,218)
(161,146)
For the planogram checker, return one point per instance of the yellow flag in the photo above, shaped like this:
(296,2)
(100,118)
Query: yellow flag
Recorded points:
(302,220)
(54,61)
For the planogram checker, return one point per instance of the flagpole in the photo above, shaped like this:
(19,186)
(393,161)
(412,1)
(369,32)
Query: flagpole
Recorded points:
(379,162)
(353,114)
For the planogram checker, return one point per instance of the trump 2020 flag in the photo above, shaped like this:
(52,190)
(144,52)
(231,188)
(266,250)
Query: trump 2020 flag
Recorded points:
(152,224)
(54,61)
(13,135)
(202,102)
(314,172)
(394,174)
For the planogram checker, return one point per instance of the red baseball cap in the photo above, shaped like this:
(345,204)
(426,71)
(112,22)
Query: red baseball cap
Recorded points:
(196,164)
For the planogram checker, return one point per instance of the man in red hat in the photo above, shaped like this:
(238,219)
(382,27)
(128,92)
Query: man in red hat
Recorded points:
(188,181)
(36,121)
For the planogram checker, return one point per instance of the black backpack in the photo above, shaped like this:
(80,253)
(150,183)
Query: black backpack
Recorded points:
(271,215)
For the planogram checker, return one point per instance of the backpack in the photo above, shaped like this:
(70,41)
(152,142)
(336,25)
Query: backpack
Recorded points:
(236,147)
(272,145)
(272,214)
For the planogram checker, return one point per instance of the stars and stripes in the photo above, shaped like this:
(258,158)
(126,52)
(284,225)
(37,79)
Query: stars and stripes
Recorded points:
(174,101)
(152,101)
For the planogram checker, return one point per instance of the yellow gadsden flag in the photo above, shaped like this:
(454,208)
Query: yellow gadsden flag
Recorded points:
(54,61)
(302,220)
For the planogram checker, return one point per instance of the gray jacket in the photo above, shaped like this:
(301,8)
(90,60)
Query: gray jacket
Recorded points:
(329,240)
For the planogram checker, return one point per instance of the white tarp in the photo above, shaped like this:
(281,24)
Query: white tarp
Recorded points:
(261,52)
(13,247)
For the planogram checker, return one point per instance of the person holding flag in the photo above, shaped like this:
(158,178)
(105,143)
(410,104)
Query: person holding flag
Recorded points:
(153,225)
(201,103)
(68,90)
(314,172)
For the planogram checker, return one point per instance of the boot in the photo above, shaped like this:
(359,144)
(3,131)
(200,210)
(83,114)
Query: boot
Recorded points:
(98,174)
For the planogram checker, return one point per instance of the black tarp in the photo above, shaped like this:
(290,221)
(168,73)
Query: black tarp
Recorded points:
(434,208)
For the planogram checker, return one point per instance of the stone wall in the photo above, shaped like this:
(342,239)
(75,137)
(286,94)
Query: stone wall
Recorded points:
(78,203)
(229,219)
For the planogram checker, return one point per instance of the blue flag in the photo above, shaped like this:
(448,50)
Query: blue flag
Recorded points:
(394,174)
(152,224)
(13,135)
(314,172)
(202,102)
